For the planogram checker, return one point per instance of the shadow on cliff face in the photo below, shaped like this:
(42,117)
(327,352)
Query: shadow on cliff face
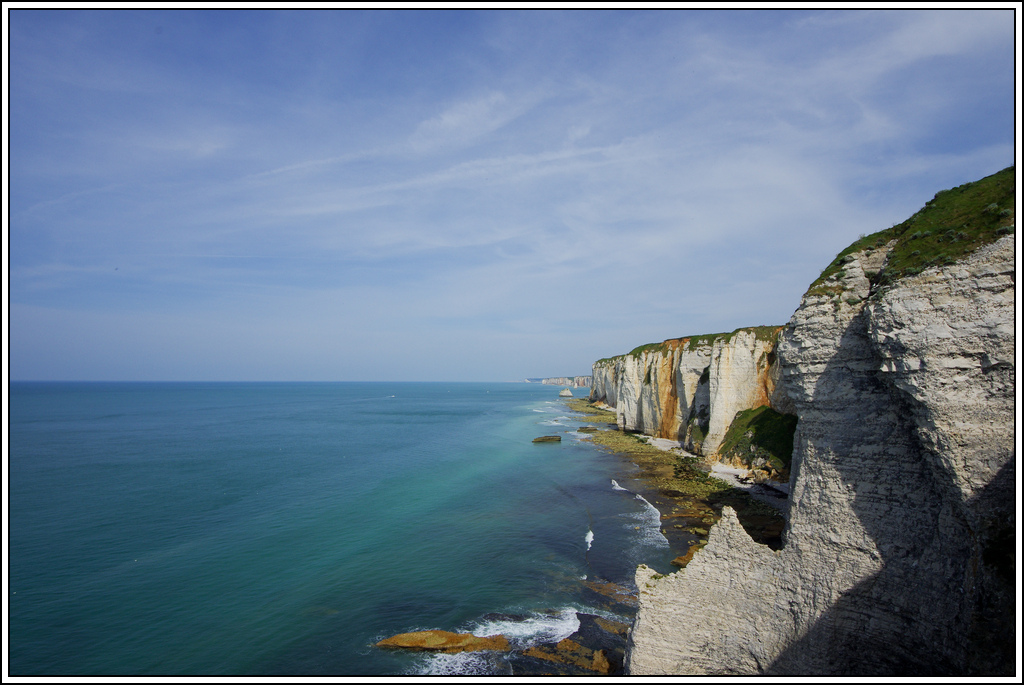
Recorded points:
(943,601)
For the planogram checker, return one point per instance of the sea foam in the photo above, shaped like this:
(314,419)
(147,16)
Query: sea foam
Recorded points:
(532,629)
(463,663)
(652,518)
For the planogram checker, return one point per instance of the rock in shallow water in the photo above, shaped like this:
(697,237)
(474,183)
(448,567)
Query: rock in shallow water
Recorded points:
(548,438)
(443,641)
(571,653)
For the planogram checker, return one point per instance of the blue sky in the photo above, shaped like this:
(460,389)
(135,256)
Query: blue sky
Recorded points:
(387,195)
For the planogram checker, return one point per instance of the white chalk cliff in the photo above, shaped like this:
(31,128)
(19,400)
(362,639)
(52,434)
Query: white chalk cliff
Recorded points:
(689,389)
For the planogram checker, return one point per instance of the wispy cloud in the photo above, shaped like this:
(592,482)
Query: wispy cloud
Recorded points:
(464,122)
(550,181)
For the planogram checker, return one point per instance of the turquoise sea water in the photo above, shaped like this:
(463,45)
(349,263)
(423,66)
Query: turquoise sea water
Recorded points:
(283,528)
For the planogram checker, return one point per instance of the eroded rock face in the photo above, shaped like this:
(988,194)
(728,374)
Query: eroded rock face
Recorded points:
(898,551)
(605,380)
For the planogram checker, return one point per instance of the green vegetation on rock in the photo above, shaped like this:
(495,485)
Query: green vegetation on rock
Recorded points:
(765,333)
(698,341)
(760,437)
(590,413)
(768,333)
(669,470)
(697,428)
(637,352)
(951,225)
(694,481)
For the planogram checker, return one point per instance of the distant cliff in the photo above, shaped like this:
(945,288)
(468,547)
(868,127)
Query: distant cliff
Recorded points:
(572,381)
(691,389)
(899,552)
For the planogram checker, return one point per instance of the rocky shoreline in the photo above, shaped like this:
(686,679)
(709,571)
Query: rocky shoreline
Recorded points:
(688,494)
(690,500)
(596,647)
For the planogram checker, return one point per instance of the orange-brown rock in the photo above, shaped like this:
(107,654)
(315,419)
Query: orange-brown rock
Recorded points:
(572,653)
(443,641)
(600,662)
(682,561)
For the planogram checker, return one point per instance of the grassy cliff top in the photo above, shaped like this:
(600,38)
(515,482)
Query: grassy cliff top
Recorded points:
(692,342)
(951,225)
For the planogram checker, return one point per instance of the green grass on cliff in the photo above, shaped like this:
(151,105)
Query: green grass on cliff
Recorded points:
(767,333)
(950,226)
(760,433)
(698,341)
(637,352)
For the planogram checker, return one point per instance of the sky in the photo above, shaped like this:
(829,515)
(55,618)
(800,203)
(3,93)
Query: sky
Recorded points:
(462,195)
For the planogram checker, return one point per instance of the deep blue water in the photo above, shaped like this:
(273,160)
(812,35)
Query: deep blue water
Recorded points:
(283,528)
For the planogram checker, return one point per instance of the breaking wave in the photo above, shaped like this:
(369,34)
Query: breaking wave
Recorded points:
(535,628)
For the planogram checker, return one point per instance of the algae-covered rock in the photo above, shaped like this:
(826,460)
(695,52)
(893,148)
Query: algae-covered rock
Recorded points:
(548,438)
(571,653)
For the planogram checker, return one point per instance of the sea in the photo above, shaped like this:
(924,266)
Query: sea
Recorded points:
(206,529)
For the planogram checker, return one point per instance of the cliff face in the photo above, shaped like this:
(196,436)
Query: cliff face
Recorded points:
(898,555)
(689,389)
(742,375)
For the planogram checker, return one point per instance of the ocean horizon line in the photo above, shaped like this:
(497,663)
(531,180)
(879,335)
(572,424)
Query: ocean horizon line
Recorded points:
(224,382)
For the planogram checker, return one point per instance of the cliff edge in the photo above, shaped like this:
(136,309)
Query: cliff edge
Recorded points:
(899,551)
